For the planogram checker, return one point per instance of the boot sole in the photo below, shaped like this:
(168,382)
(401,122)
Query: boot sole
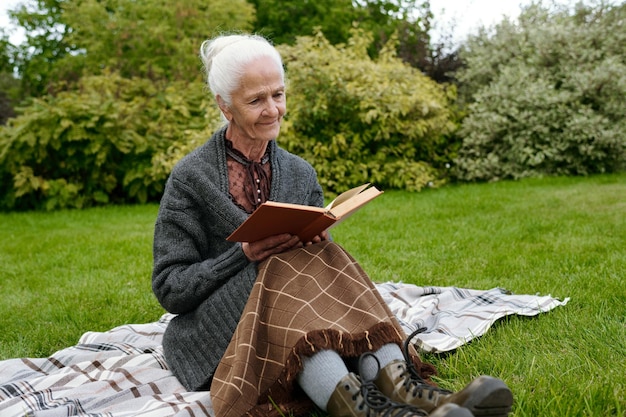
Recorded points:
(455,412)
(494,399)
(462,412)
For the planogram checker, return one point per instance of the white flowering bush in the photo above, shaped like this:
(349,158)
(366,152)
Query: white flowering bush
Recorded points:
(546,96)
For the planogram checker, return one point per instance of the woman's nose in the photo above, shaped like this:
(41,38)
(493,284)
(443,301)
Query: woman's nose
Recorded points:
(271,108)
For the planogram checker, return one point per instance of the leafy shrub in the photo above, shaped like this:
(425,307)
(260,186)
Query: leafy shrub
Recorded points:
(547,96)
(358,120)
(107,142)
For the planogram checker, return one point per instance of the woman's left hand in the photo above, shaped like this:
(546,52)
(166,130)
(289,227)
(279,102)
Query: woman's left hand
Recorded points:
(317,239)
(262,249)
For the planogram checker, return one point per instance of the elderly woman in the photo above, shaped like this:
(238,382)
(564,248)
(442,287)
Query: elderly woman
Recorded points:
(277,325)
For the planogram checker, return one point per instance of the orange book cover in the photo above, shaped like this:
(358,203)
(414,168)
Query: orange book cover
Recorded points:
(274,218)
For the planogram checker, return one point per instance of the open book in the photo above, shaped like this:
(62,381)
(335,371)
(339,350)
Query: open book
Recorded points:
(273,218)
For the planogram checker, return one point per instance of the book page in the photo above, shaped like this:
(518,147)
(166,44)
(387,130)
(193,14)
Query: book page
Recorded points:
(353,204)
(346,195)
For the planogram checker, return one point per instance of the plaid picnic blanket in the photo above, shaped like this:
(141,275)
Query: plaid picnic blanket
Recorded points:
(122,372)
(454,316)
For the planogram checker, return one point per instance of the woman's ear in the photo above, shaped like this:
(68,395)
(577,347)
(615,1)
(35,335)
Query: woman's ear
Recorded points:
(224,107)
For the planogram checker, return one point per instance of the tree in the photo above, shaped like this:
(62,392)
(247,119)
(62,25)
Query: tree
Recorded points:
(546,95)
(284,20)
(37,57)
(156,39)
(8,83)
(409,21)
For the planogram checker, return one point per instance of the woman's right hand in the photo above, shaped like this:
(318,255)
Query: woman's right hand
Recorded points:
(262,249)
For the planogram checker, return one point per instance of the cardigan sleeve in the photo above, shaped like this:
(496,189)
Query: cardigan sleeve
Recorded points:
(191,260)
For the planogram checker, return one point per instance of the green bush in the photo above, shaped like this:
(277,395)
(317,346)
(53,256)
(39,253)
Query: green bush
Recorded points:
(112,140)
(547,96)
(361,120)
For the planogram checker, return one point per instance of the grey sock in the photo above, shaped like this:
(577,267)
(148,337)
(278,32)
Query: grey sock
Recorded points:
(386,354)
(320,375)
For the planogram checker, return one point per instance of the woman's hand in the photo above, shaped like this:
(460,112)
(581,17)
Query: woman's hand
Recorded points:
(317,239)
(262,249)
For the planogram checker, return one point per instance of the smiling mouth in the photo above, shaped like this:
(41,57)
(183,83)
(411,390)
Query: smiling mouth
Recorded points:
(273,122)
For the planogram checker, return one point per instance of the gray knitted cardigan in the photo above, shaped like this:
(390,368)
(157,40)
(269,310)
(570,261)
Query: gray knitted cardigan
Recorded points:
(197,274)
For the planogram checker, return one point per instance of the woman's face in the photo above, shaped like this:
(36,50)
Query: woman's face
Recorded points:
(258,104)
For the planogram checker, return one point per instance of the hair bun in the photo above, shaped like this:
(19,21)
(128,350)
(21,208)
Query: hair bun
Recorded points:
(211,48)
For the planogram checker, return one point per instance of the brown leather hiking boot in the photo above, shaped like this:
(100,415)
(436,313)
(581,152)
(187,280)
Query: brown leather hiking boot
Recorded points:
(354,398)
(484,396)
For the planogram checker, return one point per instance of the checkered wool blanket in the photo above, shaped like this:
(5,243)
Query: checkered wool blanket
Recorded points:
(122,372)
(303,301)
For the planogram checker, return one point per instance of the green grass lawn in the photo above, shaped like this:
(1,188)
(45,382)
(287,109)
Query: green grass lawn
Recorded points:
(68,272)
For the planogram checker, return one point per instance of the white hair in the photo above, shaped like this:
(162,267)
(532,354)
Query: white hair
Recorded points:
(224,58)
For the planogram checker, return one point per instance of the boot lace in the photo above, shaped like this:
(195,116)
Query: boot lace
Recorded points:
(379,404)
(413,382)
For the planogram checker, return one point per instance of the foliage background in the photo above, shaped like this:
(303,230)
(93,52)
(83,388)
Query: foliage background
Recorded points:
(105,96)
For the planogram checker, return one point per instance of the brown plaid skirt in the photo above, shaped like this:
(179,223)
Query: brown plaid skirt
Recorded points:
(303,301)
